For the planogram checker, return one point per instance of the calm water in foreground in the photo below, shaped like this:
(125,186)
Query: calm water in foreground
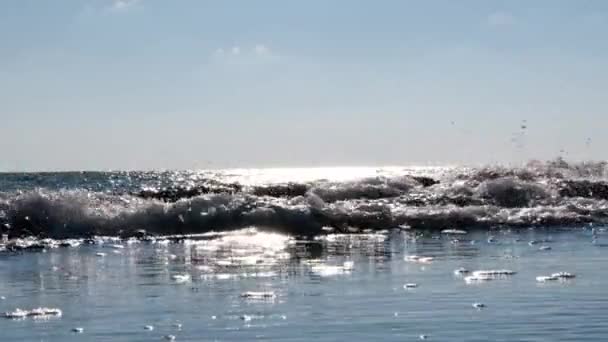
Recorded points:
(113,297)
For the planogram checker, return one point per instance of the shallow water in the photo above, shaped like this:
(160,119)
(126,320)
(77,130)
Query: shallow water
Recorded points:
(113,297)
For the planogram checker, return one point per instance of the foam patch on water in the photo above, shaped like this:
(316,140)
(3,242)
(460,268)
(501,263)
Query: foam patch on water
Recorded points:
(34,313)
(544,279)
(419,259)
(329,270)
(259,295)
(493,273)
(488,275)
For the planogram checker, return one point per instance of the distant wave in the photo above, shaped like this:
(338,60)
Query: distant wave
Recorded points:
(540,194)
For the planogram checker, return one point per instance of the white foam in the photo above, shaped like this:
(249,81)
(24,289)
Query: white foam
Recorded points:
(116,246)
(46,312)
(18,313)
(72,242)
(461,271)
(493,273)
(219,276)
(149,327)
(181,278)
(268,274)
(479,305)
(328,270)
(205,268)
(487,275)
(258,295)
(418,258)
(224,263)
(358,199)
(454,231)
(563,275)
(348,265)
(544,279)
(37,312)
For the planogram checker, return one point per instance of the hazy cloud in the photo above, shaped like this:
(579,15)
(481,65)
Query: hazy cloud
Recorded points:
(261,49)
(259,52)
(500,19)
(121,5)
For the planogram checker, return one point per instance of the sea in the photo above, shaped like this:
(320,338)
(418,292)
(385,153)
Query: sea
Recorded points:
(452,253)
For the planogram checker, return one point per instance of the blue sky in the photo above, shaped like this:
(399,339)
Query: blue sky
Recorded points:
(147,84)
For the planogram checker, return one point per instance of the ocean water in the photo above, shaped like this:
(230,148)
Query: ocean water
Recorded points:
(307,254)
(315,298)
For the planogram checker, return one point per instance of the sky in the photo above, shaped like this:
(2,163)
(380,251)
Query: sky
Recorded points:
(196,84)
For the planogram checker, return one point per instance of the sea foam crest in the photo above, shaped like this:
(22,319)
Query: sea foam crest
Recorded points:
(81,205)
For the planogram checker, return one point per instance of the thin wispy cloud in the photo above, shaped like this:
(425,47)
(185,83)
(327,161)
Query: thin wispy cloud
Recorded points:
(500,19)
(122,5)
(236,51)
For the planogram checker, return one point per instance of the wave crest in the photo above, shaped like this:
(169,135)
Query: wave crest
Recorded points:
(540,194)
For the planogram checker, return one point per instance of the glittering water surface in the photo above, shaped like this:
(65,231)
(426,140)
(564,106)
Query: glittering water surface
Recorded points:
(249,285)
(303,201)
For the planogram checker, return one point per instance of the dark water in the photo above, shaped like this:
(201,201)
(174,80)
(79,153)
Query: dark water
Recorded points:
(113,297)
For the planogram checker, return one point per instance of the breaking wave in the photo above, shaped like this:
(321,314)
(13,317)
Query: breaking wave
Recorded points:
(125,204)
